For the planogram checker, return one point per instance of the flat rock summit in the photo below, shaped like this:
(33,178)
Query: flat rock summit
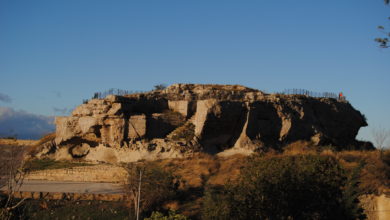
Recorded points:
(183,119)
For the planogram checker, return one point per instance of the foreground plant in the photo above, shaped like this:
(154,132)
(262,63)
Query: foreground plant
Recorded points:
(11,180)
(285,187)
(171,216)
(148,185)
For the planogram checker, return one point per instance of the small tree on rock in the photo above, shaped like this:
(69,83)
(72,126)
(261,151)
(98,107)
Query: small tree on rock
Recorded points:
(160,87)
(380,136)
(384,41)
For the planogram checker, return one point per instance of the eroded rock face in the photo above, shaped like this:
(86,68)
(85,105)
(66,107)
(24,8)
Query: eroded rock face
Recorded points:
(80,150)
(185,118)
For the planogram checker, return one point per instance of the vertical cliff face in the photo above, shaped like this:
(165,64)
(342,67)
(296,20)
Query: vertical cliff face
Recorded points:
(185,118)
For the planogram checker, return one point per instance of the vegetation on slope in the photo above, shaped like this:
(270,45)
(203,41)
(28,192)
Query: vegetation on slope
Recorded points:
(300,183)
(48,164)
(284,187)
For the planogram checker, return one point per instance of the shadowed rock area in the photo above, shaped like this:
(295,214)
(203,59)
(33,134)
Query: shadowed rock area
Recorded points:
(187,118)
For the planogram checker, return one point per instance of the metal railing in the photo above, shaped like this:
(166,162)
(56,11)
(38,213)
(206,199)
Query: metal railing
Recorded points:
(121,92)
(313,94)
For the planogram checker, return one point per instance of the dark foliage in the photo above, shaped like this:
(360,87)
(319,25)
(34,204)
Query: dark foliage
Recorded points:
(157,185)
(286,187)
(160,86)
(383,41)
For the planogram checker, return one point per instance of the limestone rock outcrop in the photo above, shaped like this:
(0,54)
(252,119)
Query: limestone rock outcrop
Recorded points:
(187,118)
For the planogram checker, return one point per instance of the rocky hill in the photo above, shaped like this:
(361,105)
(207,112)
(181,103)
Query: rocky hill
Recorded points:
(187,118)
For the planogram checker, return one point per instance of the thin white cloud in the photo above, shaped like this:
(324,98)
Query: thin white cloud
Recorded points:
(62,111)
(23,124)
(5,98)
(57,94)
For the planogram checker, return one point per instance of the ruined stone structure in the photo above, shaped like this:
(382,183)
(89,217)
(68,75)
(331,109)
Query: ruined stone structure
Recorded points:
(187,118)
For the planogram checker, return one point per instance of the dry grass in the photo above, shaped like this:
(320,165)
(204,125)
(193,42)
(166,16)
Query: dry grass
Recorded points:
(229,169)
(351,159)
(49,164)
(173,118)
(374,165)
(194,171)
(16,142)
(196,174)
(185,132)
(34,149)
(47,138)
(300,147)
(375,175)
(204,170)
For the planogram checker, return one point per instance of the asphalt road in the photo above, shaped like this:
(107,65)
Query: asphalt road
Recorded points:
(70,187)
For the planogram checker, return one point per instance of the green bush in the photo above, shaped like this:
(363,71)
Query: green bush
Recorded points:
(171,216)
(218,203)
(285,187)
(160,87)
(65,209)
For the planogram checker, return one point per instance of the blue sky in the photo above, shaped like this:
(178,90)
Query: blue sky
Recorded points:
(54,53)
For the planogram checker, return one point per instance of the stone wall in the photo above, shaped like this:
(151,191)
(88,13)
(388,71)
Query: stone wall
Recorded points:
(98,173)
(137,126)
(181,106)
